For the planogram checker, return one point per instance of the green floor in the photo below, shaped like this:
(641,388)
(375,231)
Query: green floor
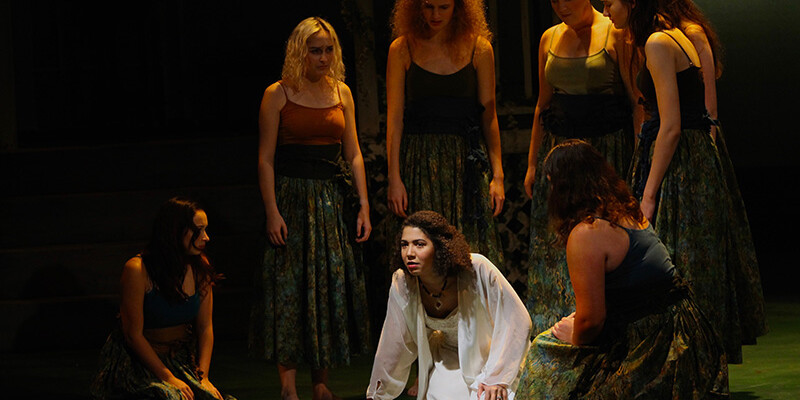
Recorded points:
(771,370)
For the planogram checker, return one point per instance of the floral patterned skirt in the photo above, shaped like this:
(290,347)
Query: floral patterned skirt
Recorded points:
(123,376)
(673,353)
(310,302)
(550,295)
(436,173)
(695,221)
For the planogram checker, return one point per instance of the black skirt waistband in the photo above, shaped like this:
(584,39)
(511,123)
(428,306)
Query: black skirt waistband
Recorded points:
(587,116)
(308,161)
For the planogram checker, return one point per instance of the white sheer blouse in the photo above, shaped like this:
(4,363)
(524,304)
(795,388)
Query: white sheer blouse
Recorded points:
(493,334)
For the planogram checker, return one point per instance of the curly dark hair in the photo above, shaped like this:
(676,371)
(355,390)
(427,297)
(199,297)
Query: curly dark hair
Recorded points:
(165,258)
(451,251)
(583,185)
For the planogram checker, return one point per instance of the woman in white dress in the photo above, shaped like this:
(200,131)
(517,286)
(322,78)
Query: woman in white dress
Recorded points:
(455,313)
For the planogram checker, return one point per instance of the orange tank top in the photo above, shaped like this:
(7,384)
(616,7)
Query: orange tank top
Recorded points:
(311,126)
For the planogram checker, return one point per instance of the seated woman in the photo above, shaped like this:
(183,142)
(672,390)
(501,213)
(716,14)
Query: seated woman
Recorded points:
(636,331)
(162,349)
(455,312)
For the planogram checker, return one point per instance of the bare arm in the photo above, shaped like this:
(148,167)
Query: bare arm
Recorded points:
(484,64)
(352,153)
(624,52)
(268,121)
(699,39)
(542,103)
(396,66)
(134,283)
(205,340)
(586,259)
(661,63)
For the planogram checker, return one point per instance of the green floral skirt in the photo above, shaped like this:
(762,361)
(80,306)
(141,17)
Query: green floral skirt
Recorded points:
(696,220)
(123,376)
(670,354)
(550,295)
(438,176)
(310,302)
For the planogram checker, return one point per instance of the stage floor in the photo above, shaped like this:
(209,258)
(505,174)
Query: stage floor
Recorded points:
(771,370)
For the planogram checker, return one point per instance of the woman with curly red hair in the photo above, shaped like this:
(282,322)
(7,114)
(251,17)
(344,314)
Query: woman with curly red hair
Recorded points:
(441,118)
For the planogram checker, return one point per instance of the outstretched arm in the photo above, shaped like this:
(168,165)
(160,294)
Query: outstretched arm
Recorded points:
(484,64)
(268,120)
(543,102)
(586,258)
(397,348)
(352,153)
(511,327)
(396,66)
(661,63)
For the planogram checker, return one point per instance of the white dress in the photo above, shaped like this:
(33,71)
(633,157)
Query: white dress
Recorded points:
(493,335)
(445,381)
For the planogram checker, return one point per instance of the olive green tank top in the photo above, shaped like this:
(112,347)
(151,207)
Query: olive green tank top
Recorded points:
(594,74)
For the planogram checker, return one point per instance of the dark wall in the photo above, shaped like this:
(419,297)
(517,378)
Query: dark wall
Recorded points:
(90,73)
(758,89)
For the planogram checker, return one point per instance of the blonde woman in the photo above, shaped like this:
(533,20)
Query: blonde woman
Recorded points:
(310,304)
(442,135)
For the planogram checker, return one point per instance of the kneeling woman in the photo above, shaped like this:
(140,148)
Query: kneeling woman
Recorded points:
(163,349)
(636,331)
(455,312)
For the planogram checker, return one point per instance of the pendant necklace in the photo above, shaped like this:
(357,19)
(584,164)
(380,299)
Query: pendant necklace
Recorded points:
(437,296)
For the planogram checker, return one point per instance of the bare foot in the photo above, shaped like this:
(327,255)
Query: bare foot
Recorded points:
(287,395)
(321,392)
(414,389)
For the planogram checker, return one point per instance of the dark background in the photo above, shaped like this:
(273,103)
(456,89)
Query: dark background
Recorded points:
(107,109)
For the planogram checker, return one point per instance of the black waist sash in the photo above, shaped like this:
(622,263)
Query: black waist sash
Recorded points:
(442,115)
(586,116)
(308,161)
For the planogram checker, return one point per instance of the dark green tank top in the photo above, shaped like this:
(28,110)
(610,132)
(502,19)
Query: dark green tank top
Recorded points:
(594,74)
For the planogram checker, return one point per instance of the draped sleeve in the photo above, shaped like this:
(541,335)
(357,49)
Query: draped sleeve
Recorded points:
(397,348)
(502,333)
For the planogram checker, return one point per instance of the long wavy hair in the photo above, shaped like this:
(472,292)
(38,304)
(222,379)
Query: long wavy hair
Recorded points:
(583,185)
(648,16)
(451,251)
(468,22)
(294,64)
(165,257)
